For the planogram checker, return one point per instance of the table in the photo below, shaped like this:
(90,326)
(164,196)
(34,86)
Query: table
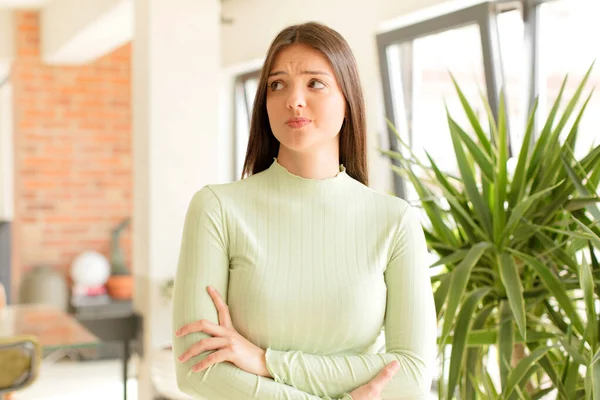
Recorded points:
(87,327)
(54,328)
(115,321)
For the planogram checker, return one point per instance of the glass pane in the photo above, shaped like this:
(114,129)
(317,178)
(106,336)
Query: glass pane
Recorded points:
(569,32)
(422,89)
(251,85)
(242,128)
(244,100)
(511,32)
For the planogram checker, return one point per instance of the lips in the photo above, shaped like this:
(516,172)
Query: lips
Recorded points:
(298,122)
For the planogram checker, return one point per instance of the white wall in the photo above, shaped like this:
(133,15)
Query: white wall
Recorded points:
(6,42)
(256,22)
(6,133)
(6,153)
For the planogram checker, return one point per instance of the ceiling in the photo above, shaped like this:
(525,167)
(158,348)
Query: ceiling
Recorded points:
(23,3)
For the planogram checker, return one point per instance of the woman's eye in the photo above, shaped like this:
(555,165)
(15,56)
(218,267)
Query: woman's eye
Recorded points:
(317,85)
(275,85)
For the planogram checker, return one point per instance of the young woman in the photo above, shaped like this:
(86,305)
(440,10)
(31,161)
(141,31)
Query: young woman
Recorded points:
(287,277)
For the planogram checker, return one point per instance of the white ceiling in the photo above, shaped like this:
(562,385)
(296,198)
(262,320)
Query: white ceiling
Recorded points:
(23,3)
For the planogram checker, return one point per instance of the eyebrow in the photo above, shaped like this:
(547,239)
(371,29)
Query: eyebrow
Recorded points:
(307,72)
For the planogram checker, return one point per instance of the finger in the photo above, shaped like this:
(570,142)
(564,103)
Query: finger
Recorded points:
(202,346)
(222,308)
(385,376)
(214,358)
(203,325)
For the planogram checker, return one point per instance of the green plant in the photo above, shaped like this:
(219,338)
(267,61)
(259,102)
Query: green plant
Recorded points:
(510,247)
(166,289)
(117,256)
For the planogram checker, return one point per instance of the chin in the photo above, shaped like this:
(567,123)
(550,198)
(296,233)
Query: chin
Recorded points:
(298,147)
(298,141)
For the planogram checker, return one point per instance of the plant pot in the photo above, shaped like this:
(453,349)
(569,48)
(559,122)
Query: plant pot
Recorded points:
(44,284)
(120,287)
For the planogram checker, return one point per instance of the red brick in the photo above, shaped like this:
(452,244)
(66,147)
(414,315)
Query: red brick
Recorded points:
(73,153)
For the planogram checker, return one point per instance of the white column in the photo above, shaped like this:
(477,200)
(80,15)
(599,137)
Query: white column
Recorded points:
(7,39)
(6,116)
(6,153)
(176,69)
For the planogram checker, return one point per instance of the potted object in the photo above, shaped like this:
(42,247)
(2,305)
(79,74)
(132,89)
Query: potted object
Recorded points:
(120,284)
(517,293)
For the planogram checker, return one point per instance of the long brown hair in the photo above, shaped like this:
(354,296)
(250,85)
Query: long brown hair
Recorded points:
(262,144)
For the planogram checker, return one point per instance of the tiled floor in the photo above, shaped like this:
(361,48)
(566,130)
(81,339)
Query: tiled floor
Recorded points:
(97,380)
(66,380)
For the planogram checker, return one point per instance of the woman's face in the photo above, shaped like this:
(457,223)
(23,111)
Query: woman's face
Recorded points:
(305,104)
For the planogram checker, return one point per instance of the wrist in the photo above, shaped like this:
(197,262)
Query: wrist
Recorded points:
(263,364)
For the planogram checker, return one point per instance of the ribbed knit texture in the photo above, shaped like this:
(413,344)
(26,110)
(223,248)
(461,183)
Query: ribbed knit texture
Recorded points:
(312,270)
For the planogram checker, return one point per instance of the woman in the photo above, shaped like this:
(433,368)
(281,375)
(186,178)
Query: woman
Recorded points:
(310,262)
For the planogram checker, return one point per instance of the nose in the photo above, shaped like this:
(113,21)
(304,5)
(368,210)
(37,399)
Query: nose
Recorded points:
(296,98)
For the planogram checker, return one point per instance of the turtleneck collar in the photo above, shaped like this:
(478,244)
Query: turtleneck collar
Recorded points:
(281,171)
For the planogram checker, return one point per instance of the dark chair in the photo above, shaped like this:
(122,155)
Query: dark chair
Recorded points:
(19,362)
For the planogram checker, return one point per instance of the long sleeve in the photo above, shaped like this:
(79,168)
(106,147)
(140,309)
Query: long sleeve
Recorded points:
(204,261)
(410,332)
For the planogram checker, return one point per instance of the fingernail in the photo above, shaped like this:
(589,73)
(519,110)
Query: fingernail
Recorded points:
(181,358)
(211,288)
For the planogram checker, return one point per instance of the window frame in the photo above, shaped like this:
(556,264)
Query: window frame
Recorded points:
(484,15)
(240,86)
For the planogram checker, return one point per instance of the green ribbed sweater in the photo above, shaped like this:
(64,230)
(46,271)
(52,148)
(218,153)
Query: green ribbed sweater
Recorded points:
(329,276)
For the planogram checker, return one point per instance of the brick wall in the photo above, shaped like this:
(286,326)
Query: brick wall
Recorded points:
(73,156)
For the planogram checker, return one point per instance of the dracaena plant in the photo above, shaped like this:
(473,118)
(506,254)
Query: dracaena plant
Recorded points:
(519,270)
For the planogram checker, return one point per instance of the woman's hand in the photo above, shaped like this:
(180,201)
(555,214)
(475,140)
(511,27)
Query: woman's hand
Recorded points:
(373,389)
(229,344)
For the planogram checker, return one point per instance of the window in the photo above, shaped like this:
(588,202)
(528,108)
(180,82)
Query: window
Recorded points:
(245,90)
(513,45)
(571,50)
(511,30)
(422,88)
(416,63)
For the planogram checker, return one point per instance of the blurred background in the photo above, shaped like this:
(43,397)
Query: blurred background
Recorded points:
(114,112)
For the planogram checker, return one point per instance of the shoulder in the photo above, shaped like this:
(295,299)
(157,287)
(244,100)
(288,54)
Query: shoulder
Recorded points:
(232,190)
(406,217)
(217,195)
(394,206)
(204,201)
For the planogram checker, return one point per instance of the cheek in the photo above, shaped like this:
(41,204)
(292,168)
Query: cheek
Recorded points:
(270,107)
(276,116)
(276,109)
(331,113)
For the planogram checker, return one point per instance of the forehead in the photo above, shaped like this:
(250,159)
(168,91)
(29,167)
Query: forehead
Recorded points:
(301,56)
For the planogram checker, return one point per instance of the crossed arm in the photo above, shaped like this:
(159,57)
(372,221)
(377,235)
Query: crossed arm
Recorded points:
(410,324)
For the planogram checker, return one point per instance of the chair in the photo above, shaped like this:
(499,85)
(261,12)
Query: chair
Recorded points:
(20,358)
(19,362)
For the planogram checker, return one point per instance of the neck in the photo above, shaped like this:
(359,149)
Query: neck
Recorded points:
(311,165)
